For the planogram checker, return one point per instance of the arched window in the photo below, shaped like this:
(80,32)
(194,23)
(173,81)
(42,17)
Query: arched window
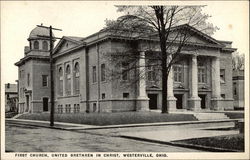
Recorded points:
(68,80)
(60,81)
(77,76)
(45,45)
(36,45)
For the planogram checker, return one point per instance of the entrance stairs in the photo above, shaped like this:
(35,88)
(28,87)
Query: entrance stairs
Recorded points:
(210,116)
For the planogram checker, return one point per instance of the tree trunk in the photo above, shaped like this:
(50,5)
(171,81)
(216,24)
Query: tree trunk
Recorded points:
(162,34)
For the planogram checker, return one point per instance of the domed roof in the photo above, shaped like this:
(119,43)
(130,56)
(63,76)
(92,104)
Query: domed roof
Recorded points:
(39,31)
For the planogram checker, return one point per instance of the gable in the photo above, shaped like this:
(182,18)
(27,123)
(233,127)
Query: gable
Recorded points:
(194,36)
(64,45)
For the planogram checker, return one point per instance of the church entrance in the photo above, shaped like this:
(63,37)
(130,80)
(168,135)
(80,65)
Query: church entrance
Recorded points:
(203,100)
(152,101)
(45,104)
(178,101)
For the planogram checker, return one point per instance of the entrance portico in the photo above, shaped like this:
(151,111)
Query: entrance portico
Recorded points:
(192,94)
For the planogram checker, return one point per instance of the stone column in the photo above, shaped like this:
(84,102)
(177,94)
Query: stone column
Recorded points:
(216,91)
(194,100)
(171,100)
(142,99)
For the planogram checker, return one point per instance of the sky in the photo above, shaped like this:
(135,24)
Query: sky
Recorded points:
(82,18)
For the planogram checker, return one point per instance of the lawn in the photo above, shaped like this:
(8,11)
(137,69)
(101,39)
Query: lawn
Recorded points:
(112,118)
(10,114)
(236,115)
(229,142)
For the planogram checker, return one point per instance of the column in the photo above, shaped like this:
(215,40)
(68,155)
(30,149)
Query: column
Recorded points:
(171,100)
(142,99)
(216,97)
(194,100)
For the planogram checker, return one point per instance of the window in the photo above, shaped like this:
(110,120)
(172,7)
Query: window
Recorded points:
(77,76)
(76,108)
(151,73)
(67,108)
(94,74)
(103,78)
(94,107)
(222,76)
(36,45)
(201,75)
(125,95)
(177,73)
(68,80)
(45,80)
(103,95)
(28,79)
(45,45)
(125,71)
(235,88)
(60,78)
(223,96)
(60,108)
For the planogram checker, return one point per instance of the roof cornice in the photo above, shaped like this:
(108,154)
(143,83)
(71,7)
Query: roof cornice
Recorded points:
(29,57)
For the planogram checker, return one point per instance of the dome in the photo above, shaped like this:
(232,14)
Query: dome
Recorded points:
(39,31)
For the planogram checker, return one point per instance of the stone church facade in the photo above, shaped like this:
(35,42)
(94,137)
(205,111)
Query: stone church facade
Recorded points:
(201,81)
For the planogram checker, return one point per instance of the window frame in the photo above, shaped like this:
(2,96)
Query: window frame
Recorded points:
(36,45)
(103,72)
(222,75)
(45,46)
(125,71)
(77,78)
(94,74)
(151,76)
(45,79)
(28,79)
(68,79)
(125,95)
(202,75)
(60,81)
(178,74)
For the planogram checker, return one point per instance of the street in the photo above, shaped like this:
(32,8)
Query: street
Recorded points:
(23,138)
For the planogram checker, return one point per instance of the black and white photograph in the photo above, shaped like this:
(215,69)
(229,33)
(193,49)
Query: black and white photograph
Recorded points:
(124,80)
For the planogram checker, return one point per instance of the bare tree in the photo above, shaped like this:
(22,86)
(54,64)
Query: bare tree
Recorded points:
(168,24)
(238,61)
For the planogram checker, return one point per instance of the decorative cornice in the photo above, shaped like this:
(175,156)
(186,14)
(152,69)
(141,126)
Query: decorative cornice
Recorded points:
(29,57)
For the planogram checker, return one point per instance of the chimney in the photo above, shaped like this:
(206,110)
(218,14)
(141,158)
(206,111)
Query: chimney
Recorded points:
(26,50)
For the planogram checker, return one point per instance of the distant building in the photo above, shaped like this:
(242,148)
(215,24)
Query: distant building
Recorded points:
(238,89)
(11,97)
(202,81)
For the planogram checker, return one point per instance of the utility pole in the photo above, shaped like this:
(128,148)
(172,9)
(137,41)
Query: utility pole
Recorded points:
(52,98)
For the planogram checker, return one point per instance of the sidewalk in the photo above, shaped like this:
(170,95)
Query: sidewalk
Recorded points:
(163,133)
(46,124)
(73,126)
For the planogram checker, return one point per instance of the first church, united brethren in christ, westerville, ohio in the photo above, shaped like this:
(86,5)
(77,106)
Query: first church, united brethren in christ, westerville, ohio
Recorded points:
(201,81)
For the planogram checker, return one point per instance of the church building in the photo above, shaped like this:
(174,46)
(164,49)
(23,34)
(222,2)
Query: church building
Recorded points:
(202,81)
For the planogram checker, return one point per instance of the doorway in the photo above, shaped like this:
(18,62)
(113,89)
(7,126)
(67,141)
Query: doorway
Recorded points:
(45,104)
(152,101)
(203,100)
(179,101)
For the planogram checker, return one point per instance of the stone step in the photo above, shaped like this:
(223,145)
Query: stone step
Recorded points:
(210,116)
